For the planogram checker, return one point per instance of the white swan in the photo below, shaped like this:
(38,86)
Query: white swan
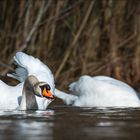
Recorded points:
(30,94)
(100,91)
(26,66)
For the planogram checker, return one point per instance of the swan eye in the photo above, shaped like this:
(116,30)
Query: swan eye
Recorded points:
(48,87)
(45,86)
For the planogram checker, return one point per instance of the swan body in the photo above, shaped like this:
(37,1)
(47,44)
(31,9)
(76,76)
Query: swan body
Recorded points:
(26,66)
(100,91)
(24,96)
(10,96)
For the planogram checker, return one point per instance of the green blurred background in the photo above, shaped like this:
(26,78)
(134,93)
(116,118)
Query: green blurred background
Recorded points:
(74,37)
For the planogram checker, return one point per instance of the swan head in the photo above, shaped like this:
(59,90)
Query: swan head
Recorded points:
(43,90)
(35,95)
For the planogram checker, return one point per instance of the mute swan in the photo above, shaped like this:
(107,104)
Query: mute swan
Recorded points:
(30,94)
(28,65)
(100,91)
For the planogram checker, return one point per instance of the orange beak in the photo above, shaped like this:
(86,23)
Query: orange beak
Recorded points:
(47,94)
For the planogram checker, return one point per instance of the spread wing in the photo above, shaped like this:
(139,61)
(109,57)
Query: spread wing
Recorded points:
(28,65)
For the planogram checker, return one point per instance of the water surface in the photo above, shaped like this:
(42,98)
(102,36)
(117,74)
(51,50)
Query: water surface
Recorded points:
(71,123)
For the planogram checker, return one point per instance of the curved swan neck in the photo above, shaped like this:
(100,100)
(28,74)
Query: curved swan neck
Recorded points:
(67,98)
(28,100)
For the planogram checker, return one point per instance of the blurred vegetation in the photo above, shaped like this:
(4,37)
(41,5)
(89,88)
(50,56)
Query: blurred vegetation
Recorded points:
(74,37)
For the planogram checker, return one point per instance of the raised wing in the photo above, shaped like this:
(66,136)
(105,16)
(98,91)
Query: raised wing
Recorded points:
(28,65)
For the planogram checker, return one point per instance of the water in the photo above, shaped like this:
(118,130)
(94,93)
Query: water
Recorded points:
(71,123)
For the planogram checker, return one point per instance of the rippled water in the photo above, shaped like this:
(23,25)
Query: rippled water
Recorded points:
(71,123)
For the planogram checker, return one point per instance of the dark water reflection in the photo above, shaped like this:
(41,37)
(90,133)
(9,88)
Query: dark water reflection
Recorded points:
(71,123)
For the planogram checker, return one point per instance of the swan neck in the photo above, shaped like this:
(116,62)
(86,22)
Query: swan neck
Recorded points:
(67,98)
(28,100)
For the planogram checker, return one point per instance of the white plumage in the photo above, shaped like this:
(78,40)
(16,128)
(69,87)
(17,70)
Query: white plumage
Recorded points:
(100,91)
(10,96)
(26,66)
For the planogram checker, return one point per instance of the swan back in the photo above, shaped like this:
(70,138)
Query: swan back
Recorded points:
(88,83)
(114,82)
(104,91)
(81,87)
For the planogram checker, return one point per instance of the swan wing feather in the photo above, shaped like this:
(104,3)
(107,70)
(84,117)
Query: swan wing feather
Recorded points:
(29,65)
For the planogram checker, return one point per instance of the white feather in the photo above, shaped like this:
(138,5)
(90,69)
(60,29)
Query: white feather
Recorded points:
(28,65)
(101,91)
